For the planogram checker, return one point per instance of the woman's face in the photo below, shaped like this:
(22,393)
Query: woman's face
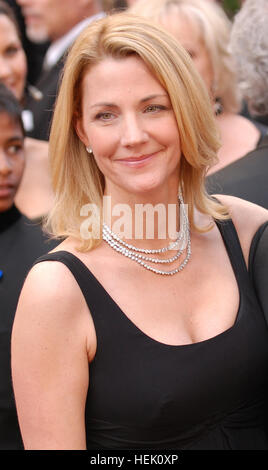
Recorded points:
(188,34)
(11,159)
(128,121)
(13,67)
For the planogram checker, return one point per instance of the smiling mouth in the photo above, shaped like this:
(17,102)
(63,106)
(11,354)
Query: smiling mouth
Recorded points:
(136,160)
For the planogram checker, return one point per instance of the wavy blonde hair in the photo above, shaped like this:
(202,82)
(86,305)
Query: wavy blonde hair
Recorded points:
(214,27)
(76,178)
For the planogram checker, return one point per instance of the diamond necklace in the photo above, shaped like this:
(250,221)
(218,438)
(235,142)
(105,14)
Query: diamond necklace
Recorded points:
(134,253)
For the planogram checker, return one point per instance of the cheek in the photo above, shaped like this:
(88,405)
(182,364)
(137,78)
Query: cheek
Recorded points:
(103,144)
(205,70)
(19,168)
(20,70)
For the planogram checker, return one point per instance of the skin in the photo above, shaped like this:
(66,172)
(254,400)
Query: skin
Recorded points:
(238,135)
(11,160)
(56,345)
(131,128)
(188,34)
(13,66)
(54,18)
(34,197)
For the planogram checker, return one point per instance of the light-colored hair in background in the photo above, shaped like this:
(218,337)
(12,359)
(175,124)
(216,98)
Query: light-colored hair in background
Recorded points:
(75,176)
(249,44)
(214,27)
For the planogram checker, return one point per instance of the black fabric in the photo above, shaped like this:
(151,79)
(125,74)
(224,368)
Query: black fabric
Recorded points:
(263,119)
(258,266)
(245,178)
(21,243)
(263,129)
(8,218)
(144,394)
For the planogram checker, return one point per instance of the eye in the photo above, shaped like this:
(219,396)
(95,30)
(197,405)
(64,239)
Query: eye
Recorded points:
(154,108)
(12,50)
(104,116)
(14,149)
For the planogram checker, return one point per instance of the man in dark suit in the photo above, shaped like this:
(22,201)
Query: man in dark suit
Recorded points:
(246,178)
(61,21)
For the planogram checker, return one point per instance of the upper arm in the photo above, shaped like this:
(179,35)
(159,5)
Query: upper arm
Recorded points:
(49,360)
(247,218)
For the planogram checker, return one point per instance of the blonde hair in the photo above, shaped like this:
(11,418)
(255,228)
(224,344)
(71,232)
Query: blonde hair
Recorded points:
(215,28)
(76,178)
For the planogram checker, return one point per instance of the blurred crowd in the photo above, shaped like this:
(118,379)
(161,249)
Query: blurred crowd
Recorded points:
(230,54)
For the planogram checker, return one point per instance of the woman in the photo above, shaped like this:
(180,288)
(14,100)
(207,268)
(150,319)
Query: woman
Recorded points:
(122,352)
(35,196)
(203,28)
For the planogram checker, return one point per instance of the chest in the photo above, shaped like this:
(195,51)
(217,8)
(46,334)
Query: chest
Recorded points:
(188,307)
(159,391)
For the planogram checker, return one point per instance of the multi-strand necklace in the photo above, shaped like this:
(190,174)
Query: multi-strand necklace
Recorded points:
(140,255)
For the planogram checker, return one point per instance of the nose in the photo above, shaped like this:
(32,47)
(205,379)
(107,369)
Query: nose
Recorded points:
(133,131)
(21,3)
(5,164)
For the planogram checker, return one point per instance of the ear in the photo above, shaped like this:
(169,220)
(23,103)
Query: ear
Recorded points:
(79,128)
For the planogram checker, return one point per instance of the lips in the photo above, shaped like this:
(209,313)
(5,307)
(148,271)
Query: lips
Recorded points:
(137,160)
(6,190)
(30,15)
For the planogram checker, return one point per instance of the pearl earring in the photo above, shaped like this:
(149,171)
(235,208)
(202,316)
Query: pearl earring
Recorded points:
(89,150)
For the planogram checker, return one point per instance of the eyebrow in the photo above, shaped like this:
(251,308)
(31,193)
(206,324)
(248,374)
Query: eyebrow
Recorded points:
(143,100)
(16,138)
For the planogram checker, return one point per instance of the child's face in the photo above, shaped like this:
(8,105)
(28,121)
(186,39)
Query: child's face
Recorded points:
(11,159)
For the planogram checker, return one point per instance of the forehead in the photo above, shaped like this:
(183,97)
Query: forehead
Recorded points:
(9,126)
(184,28)
(120,77)
(7,27)
(54,7)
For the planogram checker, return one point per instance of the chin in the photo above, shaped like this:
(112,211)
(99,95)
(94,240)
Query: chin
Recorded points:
(5,205)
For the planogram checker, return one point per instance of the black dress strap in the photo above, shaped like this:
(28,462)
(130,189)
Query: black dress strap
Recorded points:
(234,250)
(89,285)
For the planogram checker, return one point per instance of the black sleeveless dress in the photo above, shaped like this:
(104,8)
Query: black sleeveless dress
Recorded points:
(144,394)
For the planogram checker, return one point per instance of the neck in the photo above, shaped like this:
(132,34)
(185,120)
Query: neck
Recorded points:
(144,220)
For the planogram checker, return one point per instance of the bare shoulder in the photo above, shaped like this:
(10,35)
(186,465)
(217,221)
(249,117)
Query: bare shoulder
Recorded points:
(244,214)
(51,281)
(247,218)
(51,301)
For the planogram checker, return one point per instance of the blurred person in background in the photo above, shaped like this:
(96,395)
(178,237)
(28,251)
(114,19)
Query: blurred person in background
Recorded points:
(21,242)
(34,51)
(35,196)
(203,28)
(249,45)
(61,21)
(247,177)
